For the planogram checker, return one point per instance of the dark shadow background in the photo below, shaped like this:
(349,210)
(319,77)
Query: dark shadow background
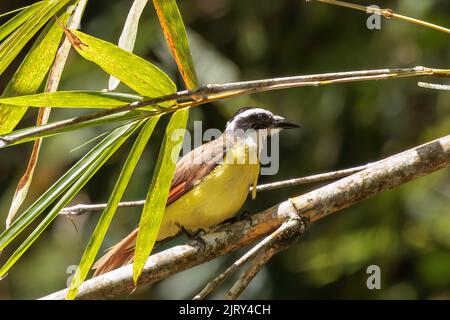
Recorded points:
(405,231)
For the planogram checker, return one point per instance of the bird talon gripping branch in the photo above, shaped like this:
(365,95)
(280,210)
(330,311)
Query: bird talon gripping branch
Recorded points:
(245,216)
(195,236)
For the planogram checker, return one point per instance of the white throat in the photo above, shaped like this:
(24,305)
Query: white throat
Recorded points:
(254,140)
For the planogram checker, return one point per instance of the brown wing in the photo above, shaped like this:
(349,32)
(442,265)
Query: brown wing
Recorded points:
(194,166)
(190,170)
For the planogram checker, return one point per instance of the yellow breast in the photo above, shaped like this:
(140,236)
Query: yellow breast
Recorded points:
(218,197)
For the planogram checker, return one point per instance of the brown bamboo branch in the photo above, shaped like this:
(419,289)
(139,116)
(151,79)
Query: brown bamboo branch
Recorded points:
(382,176)
(257,264)
(267,243)
(259,255)
(281,239)
(213,92)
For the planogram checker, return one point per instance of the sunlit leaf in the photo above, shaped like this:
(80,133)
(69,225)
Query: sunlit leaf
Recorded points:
(137,73)
(92,164)
(16,21)
(54,128)
(30,74)
(12,45)
(128,35)
(52,84)
(13,11)
(73,99)
(105,220)
(175,34)
(90,161)
(12,118)
(155,202)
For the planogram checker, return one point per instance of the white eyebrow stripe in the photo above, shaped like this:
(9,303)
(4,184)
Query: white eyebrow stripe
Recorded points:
(278,118)
(249,112)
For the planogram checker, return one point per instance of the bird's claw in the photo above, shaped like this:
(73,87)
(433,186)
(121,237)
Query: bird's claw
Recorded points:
(245,216)
(195,236)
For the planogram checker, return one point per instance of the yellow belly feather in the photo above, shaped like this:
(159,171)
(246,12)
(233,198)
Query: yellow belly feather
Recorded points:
(218,197)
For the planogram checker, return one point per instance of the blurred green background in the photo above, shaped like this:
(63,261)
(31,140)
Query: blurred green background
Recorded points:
(405,231)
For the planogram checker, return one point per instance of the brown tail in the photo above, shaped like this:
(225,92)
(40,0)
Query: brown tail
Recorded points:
(117,256)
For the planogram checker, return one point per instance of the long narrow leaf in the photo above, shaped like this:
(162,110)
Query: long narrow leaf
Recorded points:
(128,35)
(86,175)
(137,73)
(13,11)
(155,202)
(33,133)
(105,220)
(15,42)
(63,183)
(175,34)
(52,84)
(73,99)
(16,21)
(30,74)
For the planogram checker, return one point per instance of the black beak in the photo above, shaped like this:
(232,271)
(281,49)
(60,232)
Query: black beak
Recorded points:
(284,124)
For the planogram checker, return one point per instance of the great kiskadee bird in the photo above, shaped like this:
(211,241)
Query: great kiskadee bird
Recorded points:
(210,183)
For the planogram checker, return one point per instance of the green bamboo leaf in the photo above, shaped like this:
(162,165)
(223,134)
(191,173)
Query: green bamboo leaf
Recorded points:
(110,142)
(31,73)
(85,176)
(52,84)
(13,11)
(15,22)
(12,45)
(175,34)
(33,133)
(74,99)
(105,220)
(158,192)
(137,73)
(128,35)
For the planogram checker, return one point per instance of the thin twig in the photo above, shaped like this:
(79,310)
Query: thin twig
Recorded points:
(260,247)
(287,234)
(256,265)
(433,86)
(213,92)
(310,179)
(387,13)
(80,209)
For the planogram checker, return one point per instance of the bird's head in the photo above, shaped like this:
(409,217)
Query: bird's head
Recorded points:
(258,119)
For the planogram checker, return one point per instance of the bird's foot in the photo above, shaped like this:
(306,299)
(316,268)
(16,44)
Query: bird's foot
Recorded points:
(195,236)
(243,216)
